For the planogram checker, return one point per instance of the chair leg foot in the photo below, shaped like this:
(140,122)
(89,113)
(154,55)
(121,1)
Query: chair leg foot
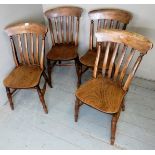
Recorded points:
(41,96)
(113,128)
(77,106)
(10,98)
(49,68)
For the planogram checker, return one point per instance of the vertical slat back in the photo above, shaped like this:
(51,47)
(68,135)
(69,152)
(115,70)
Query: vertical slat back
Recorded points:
(97,61)
(62,30)
(14,52)
(67,30)
(113,60)
(77,32)
(42,52)
(104,67)
(51,31)
(108,18)
(72,28)
(67,25)
(31,48)
(20,49)
(37,49)
(57,29)
(129,58)
(132,73)
(91,35)
(26,43)
(119,62)
(26,49)
(129,48)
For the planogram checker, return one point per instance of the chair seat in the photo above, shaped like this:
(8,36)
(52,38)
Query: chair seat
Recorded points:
(23,76)
(62,52)
(89,58)
(101,94)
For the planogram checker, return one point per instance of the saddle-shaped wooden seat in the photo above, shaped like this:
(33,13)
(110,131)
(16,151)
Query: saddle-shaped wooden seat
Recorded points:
(102,94)
(23,76)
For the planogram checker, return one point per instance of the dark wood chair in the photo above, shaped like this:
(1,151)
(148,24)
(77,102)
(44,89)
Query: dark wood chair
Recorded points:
(105,92)
(28,47)
(102,18)
(64,28)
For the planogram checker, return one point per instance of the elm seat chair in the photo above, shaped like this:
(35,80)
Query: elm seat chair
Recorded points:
(28,48)
(102,18)
(64,28)
(105,92)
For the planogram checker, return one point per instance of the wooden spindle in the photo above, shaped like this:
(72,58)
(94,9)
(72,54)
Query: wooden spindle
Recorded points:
(111,24)
(72,28)
(26,50)
(131,75)
(51,31)
(124,26)
(42,53)
(105,23)
(104,67)
(97,60)
(31,48)
(119,62)
(37,49)
(20,49)
(112,60)
(57,29)
(117,25)
(91,35)
(62,30)
(77,31)
(14,52)
(126,64)
(67,30)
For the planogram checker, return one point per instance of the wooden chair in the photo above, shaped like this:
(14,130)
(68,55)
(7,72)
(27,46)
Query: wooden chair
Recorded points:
(105,92)
(102,18)
(28,47)
(64,28)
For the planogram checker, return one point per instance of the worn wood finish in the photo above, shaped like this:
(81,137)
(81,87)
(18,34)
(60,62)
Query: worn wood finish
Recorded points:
(106,91)
(30,63)
(65,42)
(115,14)
(107,19)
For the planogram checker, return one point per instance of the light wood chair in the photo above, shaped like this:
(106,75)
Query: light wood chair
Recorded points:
(101,18)
(64,28)
(105,92)
(28,47)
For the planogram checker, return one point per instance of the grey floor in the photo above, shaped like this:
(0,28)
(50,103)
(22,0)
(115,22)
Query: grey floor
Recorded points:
(27,127)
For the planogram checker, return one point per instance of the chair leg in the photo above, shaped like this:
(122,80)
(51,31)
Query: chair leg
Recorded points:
(49,68)
(113,128)
(114,121)
(41,96)
(123,104)
(77,106)
(78,66)
(10,98)
(46,78)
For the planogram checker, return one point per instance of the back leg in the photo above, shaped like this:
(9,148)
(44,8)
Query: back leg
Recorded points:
(10,98)
(41,96)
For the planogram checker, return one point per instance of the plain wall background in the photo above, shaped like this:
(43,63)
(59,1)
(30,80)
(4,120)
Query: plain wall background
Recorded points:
(12,14)
(142,23)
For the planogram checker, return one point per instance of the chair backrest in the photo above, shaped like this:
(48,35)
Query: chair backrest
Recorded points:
(28,43)
(107,18)
(64,24)
(129,47)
